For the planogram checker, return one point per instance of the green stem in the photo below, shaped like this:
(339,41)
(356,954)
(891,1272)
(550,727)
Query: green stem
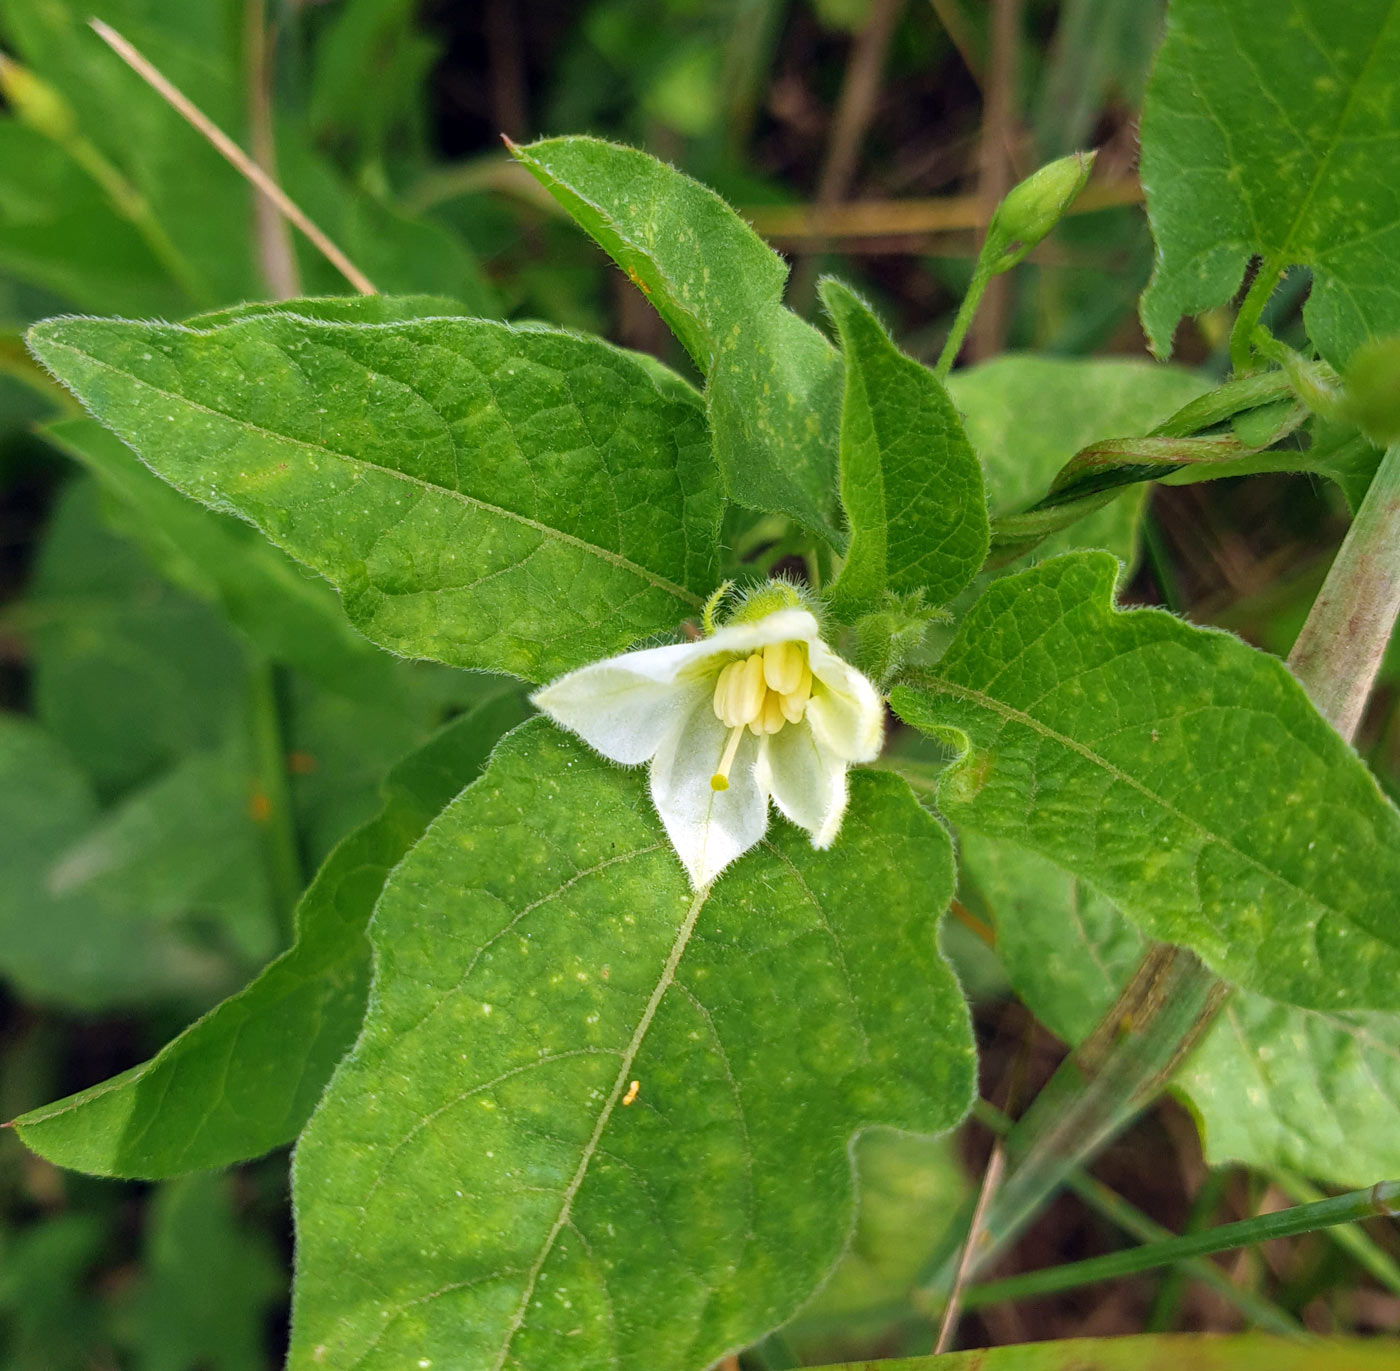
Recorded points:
(1251,311)
(1224,402)
(1168,1300)
(1131,1220)
(1343,643)
(272,797)
(963,320)
(1115,1073)
(1380,1201)
(1355,1242)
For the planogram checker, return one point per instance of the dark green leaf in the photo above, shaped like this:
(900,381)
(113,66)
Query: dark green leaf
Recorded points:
(64,947)
(910,484)
(245,1077)
(1272,131)
(1184,774)
(514,499)
(483,1184)
(208,1286)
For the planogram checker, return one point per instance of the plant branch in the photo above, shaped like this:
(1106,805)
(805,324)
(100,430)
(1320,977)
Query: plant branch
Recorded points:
(1251,311)
(1344,640)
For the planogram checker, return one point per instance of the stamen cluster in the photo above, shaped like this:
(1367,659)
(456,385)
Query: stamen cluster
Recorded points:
(762,692)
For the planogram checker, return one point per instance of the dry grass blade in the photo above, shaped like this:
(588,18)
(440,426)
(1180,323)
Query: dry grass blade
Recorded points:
(188,110)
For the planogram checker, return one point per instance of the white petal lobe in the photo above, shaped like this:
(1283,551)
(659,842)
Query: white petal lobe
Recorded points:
(708,828)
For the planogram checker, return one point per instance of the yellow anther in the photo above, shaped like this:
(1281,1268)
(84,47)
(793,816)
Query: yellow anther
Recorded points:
(748,691)
(794,702)
(783,665)
(773,719)
(723,686)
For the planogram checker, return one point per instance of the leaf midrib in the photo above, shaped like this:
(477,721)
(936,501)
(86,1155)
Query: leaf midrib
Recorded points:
(547,531)
(629,1055)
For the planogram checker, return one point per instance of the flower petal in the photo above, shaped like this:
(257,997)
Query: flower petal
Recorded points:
(624,706)
(708,828)
(806,780)
(847,715)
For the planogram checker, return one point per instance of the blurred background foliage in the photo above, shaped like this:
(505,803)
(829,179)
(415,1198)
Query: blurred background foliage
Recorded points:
(169,780)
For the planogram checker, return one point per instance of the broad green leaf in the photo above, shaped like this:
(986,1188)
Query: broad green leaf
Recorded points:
(58,231)
(484,1186)
(64,947)
(203,206)
(339,309)
(244,1078)
(1272,1086)
(184,848)
(910,484)
(773,382)
(1150,1351)
(1026,416)
(292,617)
(129,674)
(1181,772)
(52,1322)
(910,1190)
(515,499)
(209,1283)
(1271,131)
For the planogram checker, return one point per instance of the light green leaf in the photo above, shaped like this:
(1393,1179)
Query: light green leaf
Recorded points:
(129,674)
(1199,1352)
(244,1078)
(1271,130)
(515,499)
(208,1284)
(1272,1086)
(1183,773)
(184,848)
(483,1185)
(64,948)
(910,1189)
(910,484)
(774,382)
(1027,416)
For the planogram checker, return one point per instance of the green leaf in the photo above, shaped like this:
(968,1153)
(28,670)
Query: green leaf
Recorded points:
(209,1283)
(183,848)
(129,674)
(1184,774)
(1200,1352)
(1027,416)
(910,484)
(515,499)
(482,1183)
(910,1189)
(63,947)
(58,231)
(245,1078)
(1271,1086)
(1274,133)
(774,382)
(53,1322)
(292,617)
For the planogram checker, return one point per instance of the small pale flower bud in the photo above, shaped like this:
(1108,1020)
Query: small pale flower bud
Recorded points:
(1032,209)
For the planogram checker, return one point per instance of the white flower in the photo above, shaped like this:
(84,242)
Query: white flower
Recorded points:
(758,710)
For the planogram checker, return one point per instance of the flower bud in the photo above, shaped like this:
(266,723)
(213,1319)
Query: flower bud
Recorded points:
(36,102)
(1032,209)
(1373,390)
